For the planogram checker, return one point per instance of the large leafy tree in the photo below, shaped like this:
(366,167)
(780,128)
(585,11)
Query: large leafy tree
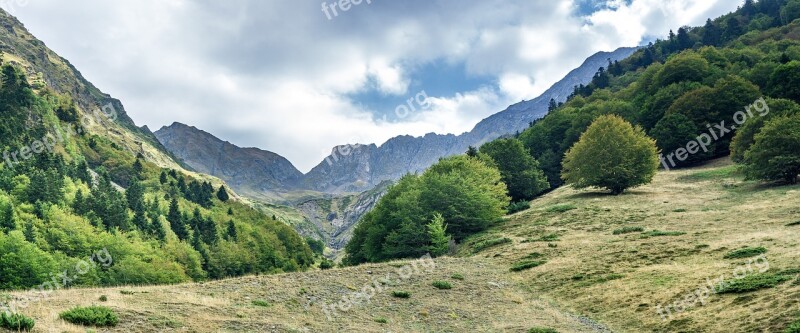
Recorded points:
(776,152)
(518,169)
(611,154)
(785,81)
(746,134)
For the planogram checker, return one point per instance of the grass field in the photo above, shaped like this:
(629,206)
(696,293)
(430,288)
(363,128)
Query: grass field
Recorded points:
(571,270)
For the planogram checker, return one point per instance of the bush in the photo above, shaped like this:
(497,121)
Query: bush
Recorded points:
(103,298)
(776,152)
(261,303)
(753,283)
(401,294)
(746,252)
(658,233)
(442,285)
(525,265)
(99,316)
(478,247)
(628,230)
(611,154)
(519,206)
(542,330)
(457,276)
(381,320)
(793,327)
(16,322)
(326,264)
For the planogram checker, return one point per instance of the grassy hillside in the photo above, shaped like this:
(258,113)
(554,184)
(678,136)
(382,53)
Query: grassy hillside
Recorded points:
(584,270)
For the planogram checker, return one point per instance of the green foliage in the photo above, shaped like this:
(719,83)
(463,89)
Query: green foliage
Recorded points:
(687,66)
(444,285)
(519,206)
(745,135)
(98,316)
(658,233)
(317,246)
(527,264)
(483,245)
(401,294)
(103,298)
(674,131)
(466,191)
(518,169)
(261,303)
(752,282)
(16,322)
(222,194)
(611,154)
(542,330)
(793,327)
(381,320)
(457,276)
(746,252)
(326,264)
(561,208)
(439,240)
(628,230)
(775,155)
(22,264)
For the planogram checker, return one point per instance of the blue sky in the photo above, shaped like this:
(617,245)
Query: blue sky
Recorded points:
(285,77)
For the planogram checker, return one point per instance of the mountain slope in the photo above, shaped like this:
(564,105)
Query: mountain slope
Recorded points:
(361,167)
(249,171)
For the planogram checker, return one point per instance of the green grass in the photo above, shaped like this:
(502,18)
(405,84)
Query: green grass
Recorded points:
(746,252)
(443,285)
(480,246)
(560,208)
(16,322)
(753,282)
(628,230)
(793,327)
(658,233)
(261,303)
(542,330)
(99,316)
(730,171)
(401,294)
(525,265)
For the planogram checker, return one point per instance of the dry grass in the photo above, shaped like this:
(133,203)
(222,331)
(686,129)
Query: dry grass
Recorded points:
(614,279)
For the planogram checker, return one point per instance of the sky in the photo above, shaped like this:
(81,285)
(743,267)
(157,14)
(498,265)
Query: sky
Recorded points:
(300,77)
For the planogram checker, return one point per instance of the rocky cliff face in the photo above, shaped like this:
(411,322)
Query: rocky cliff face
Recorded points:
(249,171)
(371,165)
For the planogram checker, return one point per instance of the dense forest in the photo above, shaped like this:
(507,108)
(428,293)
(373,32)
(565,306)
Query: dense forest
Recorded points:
(730,87)
(67,195)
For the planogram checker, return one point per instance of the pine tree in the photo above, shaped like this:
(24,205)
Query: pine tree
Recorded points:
(157,230)
(552,105)
(230,211)
(135,196)
(176,221)
(137,169)
(162,178)
(437,231)
(472,151)
(711,34)
(140,221)
(80,206)
(222,194)
(231,234)
(7,220)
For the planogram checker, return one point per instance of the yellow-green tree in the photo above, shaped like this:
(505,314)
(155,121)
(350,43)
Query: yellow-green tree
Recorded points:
(611,154)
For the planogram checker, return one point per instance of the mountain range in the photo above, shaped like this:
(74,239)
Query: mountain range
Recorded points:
(356,168)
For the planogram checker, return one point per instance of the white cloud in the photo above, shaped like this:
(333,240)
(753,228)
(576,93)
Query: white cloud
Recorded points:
(276,74)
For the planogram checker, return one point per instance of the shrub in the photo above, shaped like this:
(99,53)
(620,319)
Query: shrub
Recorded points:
(103,298)
(542,330)
(525,265)
(480,246)
(381,320)
(457,276)
(753,283)
(442,285)
(16,322)
(611,154)
(746,252)
(793,327)
(261,303)
(628,230)
(519,206)
(775,154)
(99,316)
(326,264)
(658,233)
(401,294)
(561,208)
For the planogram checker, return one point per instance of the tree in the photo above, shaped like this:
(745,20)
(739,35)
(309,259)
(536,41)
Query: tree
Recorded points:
(137,169)
(135,196)
(553,105)
(790,12)
(472,151)
(733,28)
(611,154)
(746,134)
(176,221)
(683,40)
(785,81)
(518,169)
(687,66)
(222,194)
(675,131)
(776,152)
(437,231)
(711,34)
(7,220)
(162,178)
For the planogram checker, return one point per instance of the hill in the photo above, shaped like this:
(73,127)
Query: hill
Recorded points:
(617,280)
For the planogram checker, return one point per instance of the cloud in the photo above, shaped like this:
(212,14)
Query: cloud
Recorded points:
(280,76)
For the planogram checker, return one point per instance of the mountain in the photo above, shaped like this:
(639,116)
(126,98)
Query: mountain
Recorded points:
(360,167)
(249,171)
